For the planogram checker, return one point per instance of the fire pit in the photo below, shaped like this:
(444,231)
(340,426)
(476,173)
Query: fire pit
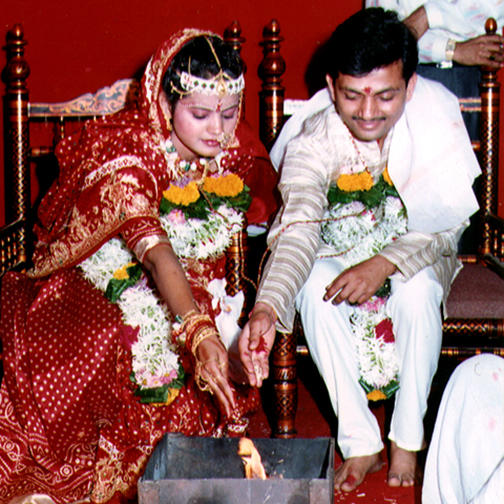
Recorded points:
(186,470)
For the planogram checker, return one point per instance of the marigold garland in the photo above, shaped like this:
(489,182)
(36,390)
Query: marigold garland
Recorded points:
(157,371)
(229,185)
(182,195)
(363,217)
(350,182)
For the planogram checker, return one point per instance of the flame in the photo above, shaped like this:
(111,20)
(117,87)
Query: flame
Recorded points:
(251,459)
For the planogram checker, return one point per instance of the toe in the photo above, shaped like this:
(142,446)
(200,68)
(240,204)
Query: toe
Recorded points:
(350,484)
(393,480)
(407,479)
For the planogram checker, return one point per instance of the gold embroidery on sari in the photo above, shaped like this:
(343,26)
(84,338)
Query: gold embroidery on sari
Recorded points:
(119,202)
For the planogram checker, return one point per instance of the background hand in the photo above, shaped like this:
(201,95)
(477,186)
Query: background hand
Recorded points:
(256,341)
(212,367)
(358,283)
(484,50)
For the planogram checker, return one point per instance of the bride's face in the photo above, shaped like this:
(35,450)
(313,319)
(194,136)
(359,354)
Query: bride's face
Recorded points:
(202,124)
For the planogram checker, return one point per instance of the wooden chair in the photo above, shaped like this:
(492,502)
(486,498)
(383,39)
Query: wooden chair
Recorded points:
(476,303)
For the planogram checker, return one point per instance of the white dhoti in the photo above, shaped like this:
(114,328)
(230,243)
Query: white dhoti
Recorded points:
(414,308)
(465,461)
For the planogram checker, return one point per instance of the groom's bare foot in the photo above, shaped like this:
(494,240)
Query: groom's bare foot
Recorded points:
(403,467)
(353,471)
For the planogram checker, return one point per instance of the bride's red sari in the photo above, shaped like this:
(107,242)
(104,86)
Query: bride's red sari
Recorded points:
(70,424)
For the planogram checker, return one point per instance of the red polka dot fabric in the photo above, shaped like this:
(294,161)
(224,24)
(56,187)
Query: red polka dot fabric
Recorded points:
(70,424)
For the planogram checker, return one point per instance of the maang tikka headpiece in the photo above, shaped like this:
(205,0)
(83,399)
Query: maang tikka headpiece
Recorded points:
(219,85)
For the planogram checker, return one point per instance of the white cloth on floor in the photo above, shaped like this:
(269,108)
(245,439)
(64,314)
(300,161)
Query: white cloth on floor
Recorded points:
(465,461)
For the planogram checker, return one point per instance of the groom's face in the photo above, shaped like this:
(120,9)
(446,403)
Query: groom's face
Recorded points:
(371,104)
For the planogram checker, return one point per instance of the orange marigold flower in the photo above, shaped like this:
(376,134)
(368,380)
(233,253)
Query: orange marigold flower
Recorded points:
(376,395)
(362,181)
(386,177)
(227,185)
(182,195)
(122,273)
(172,395)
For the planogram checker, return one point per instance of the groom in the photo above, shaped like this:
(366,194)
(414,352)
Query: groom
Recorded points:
(375,114)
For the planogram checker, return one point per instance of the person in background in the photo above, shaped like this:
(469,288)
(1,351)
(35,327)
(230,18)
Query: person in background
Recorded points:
(376,182)
(465,460)
(452,42)
(120,331)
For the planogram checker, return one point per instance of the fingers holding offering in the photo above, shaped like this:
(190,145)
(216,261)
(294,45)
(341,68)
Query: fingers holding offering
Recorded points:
(197,332)
(211,372)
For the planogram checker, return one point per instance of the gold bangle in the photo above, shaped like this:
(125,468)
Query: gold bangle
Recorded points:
(203,334)
(187,324)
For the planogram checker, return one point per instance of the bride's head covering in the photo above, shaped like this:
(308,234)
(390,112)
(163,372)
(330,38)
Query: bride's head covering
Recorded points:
(190,61)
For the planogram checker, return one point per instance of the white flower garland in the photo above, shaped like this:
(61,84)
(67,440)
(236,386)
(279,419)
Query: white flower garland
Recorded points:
(155,361)
(377,358)
(356,234)
(202,239)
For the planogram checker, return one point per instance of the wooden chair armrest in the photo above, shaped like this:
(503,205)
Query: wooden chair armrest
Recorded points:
(13,253)
(494,256)
(496,222)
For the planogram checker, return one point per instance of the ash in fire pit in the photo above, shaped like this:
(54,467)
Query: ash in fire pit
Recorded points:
(186,470)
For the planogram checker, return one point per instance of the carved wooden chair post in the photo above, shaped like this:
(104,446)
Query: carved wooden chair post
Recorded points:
(489,148)
(14,245)
(271,96)
(283,357)
(237,250)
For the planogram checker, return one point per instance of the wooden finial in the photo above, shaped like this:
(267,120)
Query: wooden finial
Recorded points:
(17,69)
(271,97)
(232,36)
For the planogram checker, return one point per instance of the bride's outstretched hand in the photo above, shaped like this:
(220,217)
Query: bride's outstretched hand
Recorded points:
(211,372)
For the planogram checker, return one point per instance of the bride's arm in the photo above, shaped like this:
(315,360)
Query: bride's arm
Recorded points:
(170,279)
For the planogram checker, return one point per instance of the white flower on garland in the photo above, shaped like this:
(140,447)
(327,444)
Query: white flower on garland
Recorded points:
(154,359)
(352,224)
(376,353)
(202,239)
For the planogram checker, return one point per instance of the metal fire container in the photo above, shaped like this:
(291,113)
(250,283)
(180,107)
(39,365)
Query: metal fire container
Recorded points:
(187,470)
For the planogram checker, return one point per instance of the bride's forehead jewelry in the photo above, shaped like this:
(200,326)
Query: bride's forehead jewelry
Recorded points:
(220,85)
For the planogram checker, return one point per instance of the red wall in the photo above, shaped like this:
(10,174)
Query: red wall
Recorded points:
(80,46)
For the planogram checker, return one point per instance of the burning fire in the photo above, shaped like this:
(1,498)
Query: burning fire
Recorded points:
(251,459)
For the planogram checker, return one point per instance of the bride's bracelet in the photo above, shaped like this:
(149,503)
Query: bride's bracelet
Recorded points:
(191,329)
(201,335)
